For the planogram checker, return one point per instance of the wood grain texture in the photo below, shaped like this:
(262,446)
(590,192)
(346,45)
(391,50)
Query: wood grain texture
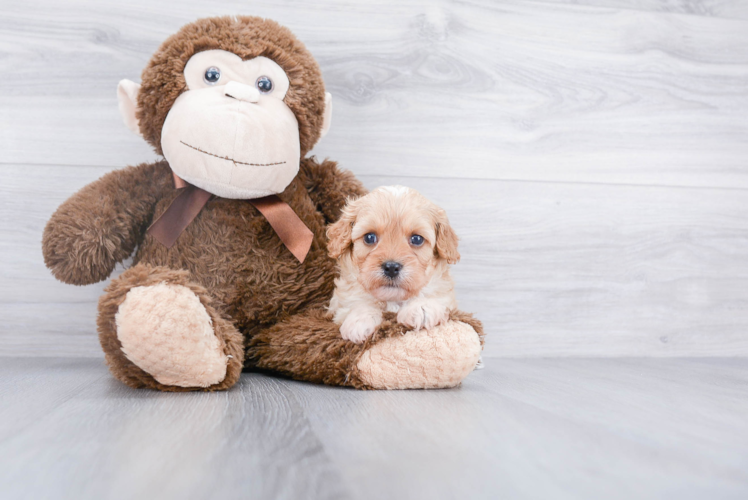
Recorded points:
(727,9)
(534,428)
(592,154)
(95,438)
(552,269)
(510,90)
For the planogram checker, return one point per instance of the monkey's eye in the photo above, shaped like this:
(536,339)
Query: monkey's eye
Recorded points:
(264,84)
(212,75)
(370,238)
(416,240)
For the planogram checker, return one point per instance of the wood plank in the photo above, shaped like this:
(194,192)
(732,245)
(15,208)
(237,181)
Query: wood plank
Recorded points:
(82,434)
(532,428)
(51,328)
(728,9)
(552,269)
(548,429)
(516,90)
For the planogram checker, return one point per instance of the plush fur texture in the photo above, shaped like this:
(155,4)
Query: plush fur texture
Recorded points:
(229,253)
(399,363)
(247,37)
(141,275)
(257,296)
(186,351)
(101,224)
(309,347)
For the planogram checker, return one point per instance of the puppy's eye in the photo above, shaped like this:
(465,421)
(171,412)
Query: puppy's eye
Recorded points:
(416,240)
(264,84)
(212,75)
(370,238)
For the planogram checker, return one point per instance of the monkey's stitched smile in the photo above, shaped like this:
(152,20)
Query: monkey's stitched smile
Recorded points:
(233,160)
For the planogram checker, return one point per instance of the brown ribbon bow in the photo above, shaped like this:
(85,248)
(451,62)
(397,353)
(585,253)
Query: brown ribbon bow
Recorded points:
(288,226)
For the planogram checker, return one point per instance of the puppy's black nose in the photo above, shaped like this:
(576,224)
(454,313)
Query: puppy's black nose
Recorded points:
(391,268)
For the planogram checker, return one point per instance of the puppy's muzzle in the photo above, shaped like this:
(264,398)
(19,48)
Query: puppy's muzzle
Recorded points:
(391,269)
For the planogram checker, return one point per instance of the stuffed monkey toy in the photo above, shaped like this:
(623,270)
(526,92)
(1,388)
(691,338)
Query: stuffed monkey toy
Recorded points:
(230,268)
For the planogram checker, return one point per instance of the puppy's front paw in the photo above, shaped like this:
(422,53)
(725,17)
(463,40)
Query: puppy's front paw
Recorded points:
(422,313)
(359,326)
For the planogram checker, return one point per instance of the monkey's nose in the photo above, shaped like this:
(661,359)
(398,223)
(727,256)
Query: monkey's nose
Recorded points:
(391,269)
(247,93)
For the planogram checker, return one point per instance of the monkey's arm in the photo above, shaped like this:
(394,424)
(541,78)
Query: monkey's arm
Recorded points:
(329,186)
(308,346)
(101,224)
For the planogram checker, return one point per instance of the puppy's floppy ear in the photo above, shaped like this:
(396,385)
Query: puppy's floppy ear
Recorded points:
(339,233)
(446,239)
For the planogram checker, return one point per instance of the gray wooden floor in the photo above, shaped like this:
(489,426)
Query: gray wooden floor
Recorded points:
(591,154)
(533,428)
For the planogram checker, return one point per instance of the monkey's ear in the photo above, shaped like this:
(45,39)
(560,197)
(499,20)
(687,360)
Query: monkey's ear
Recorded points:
(327,117)
(127,95)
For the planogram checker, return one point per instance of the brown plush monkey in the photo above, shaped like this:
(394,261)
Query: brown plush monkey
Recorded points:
(234,270)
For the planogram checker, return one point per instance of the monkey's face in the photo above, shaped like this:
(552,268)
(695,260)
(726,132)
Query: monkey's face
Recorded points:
(230,132)
(235,117)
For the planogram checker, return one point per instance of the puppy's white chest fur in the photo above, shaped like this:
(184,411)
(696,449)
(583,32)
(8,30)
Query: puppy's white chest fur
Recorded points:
(393,307)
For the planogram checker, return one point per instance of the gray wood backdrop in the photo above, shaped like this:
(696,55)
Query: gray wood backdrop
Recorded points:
(592,155)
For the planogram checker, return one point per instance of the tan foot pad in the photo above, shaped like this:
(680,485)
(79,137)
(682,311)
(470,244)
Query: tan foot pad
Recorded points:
(427,359)
(166,331)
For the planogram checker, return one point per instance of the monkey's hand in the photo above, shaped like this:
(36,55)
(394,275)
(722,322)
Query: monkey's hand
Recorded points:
(101,224)
(329,186)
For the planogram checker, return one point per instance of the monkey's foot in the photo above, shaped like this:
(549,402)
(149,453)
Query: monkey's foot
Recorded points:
(436,358)
(158,330)
(166,331)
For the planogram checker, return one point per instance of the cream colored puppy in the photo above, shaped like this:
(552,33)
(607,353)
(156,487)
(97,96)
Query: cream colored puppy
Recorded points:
(394,248)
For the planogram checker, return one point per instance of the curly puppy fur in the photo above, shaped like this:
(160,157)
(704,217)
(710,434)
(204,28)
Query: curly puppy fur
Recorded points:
(421,289)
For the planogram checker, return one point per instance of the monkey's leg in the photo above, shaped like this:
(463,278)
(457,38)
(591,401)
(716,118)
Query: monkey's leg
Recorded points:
(158,330)
(309,347)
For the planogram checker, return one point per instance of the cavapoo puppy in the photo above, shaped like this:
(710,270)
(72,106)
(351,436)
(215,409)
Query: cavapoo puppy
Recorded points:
(394,248)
